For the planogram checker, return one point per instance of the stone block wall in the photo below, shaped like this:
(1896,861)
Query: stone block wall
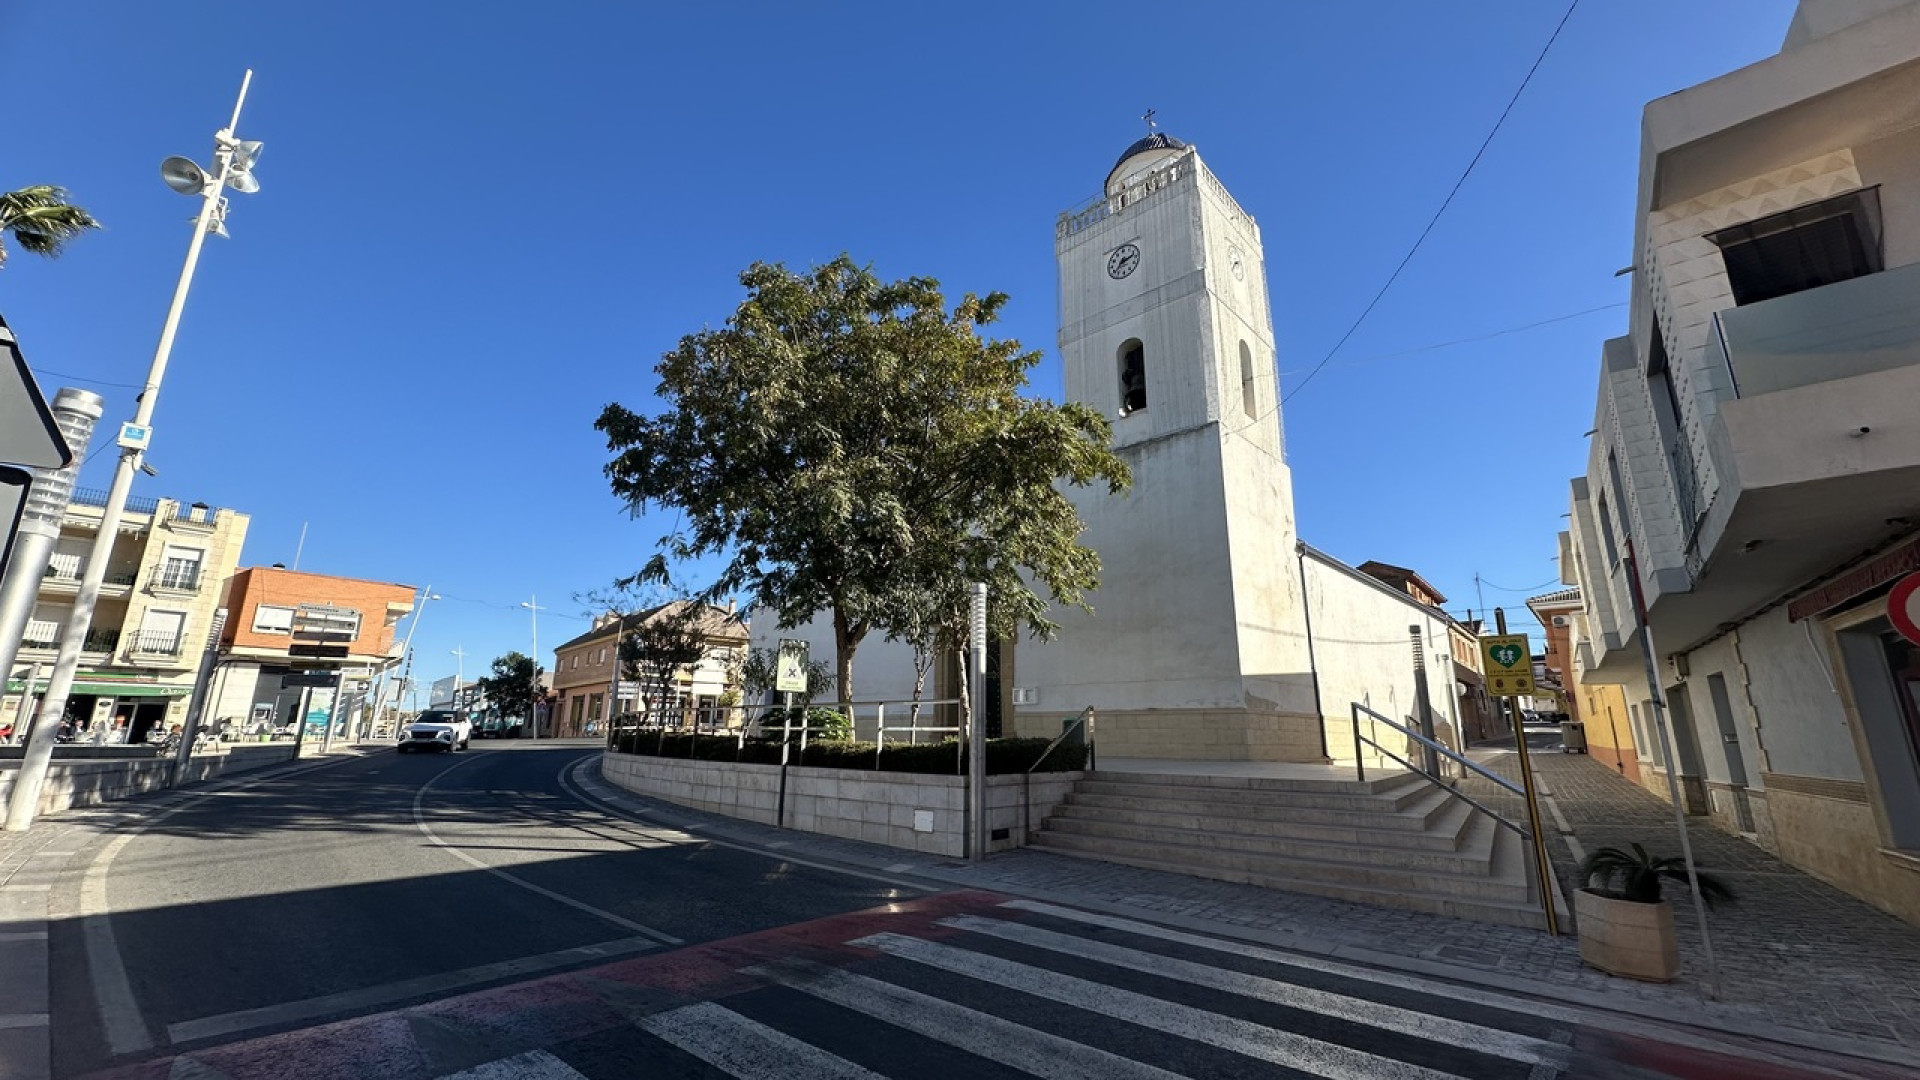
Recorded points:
(92,781)
(911,811)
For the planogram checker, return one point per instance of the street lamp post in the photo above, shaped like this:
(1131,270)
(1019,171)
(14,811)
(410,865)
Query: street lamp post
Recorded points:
(233,167)
(406,651)
(532,604)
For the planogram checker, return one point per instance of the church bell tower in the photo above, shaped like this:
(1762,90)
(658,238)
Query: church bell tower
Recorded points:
(1197,646)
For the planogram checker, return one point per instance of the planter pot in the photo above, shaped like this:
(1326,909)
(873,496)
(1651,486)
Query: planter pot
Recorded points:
(1623,937)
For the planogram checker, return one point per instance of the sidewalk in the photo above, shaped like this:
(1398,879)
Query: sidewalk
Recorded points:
(1791,946)
(1782,999)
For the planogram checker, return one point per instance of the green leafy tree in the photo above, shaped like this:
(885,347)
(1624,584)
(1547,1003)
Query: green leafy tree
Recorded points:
(511,686)
(842,441)
(654,649)
(41,221)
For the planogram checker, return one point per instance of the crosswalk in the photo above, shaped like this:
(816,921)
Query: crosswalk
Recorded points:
(1025,988)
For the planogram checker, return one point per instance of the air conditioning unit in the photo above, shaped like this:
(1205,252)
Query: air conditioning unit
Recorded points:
(1559,620)
(1026,695)
(1677,663)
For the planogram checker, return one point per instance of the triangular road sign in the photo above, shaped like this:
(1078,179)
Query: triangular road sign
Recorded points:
(28,435)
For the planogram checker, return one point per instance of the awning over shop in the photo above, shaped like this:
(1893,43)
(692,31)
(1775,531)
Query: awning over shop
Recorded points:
(108,689)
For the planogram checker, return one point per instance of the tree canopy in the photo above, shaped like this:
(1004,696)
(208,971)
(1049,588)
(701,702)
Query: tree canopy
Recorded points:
(854,446)
(511,686)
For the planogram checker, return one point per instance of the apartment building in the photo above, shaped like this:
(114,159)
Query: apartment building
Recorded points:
(1754,475)
(155,611)
(583,672)
(292,636)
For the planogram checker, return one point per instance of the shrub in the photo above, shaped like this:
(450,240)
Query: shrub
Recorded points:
(1004,756)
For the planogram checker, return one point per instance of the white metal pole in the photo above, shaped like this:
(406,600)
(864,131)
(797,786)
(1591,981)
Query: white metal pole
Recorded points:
(33,767)
(977,725)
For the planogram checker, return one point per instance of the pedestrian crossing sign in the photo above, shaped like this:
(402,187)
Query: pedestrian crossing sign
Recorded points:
(1509,664)
(790,672)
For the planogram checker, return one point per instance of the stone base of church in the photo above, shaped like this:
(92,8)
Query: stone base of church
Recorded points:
(1192,734)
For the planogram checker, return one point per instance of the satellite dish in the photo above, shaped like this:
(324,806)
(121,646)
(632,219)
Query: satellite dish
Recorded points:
(183,176)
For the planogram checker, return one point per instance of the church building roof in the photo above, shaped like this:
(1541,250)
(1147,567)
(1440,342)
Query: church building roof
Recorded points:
(1158,140)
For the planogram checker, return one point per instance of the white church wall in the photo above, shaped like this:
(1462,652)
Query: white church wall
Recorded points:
(1363,652)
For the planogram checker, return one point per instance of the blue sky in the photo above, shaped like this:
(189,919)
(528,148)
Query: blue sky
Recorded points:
(480,223)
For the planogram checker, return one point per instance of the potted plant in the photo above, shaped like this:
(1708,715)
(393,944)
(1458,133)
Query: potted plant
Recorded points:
(1626,927)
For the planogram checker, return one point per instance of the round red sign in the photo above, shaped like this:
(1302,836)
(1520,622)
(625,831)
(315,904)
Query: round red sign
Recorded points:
(1903,607)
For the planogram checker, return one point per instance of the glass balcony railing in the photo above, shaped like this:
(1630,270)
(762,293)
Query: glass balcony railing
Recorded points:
(1837,331)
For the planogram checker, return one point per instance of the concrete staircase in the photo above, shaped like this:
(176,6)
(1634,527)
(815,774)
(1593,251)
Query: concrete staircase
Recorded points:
(1397,841)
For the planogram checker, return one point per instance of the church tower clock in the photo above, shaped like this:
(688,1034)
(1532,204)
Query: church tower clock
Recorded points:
(1197,644)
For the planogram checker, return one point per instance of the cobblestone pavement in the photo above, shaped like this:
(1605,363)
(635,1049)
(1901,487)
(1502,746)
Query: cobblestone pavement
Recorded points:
(1796,987)
(1801,951)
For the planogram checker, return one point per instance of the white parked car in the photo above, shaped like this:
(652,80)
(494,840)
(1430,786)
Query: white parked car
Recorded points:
(436,729)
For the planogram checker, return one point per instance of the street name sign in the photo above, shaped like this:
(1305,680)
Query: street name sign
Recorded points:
(1509,664)
(790,670)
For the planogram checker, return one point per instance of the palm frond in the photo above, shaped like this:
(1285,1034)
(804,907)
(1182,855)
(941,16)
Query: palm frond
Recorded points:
(41,219)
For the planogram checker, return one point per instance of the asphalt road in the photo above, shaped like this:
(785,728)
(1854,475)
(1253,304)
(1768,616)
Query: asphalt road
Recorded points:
(474,917)
(376,882)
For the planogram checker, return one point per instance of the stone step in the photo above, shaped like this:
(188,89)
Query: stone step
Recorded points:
(1414,814)
(1328,785)
(1473,858)
(1482,882)
(1443,828)
(1508,864)
(1145,787)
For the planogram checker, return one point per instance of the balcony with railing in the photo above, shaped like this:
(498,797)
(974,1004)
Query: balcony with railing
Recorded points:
(177,578)
(135,504)
(197,517)
(157,643)
(1812,451)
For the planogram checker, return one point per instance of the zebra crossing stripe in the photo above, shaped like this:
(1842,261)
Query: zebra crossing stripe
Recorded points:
(1539,1010)
(747,1049)
(1308,1055)
(532,1065)
(1324,1002)
(981,1034)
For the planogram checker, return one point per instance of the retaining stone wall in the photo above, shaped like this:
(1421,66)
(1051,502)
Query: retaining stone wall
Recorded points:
(91,781)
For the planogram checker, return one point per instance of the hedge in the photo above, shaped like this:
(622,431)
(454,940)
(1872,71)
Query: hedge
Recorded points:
(1003,755)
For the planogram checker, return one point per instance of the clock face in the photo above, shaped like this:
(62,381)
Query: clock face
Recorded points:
(1124,260)
(1239,266)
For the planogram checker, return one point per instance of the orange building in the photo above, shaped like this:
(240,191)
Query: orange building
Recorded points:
(288,631)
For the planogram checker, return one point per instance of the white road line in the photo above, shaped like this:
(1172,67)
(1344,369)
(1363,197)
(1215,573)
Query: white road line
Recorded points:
(1312,1056)
(120,1018)
(21,1020)
(982,1034)
(532,1065)
(1537,1009)
(22,935)
(208,1027)
(748,1049)
(1326,1003)
(420,821)
(693,836)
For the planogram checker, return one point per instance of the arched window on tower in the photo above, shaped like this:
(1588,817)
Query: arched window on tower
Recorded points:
(1249,397)
(1133,376)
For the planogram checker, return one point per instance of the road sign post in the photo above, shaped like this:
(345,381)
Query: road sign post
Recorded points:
(1510,673)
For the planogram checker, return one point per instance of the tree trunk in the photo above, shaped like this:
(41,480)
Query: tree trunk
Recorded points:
(845,640)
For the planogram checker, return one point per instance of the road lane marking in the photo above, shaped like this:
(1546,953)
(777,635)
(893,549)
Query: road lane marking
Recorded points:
(982,1034)
(21,1020)
(367,998)
(532,1065)
(1312,1056)
(420,820)
(1373,1014)
(120,1018)
(748,1049)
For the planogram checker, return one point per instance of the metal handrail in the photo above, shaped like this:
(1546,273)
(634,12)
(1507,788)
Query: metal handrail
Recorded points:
(1518,829)
(1359,767)
(1026,783)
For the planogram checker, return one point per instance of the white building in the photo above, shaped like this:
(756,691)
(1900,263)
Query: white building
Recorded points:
(1215,634)
(1756,458)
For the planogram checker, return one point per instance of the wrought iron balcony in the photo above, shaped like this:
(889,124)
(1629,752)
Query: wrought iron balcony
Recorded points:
(157,643)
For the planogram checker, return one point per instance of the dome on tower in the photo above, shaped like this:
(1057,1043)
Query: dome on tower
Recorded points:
(1158,144)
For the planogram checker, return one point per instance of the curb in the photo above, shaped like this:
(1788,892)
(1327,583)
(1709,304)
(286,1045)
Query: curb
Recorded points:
(1688,1022)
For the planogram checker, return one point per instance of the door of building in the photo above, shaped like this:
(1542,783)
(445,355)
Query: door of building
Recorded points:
(1730,747)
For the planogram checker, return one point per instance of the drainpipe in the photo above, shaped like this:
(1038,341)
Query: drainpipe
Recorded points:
(1313,668)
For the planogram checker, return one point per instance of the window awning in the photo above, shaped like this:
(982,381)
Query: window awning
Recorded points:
(108,689)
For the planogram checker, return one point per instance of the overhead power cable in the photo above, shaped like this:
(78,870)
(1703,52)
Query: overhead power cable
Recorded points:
(1435,220)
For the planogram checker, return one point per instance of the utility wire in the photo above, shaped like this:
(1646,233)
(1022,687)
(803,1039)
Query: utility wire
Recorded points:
(85,379)
(1444,203)
(1529,588)
(1418,349)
